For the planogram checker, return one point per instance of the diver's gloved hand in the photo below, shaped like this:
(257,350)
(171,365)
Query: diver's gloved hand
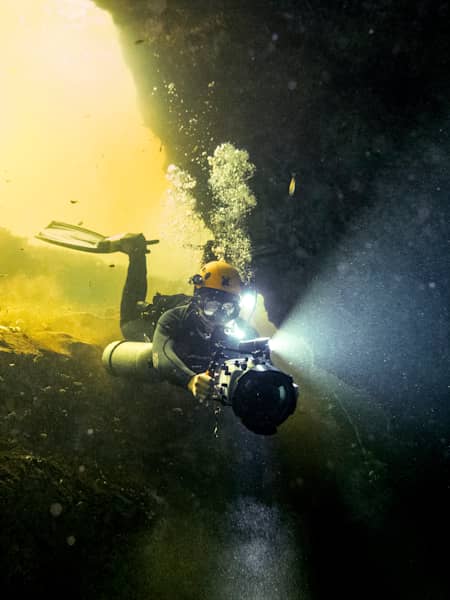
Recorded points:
(201,386)
(133,243)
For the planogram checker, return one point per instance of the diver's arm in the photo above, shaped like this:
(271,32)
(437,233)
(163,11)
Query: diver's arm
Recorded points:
(165,359)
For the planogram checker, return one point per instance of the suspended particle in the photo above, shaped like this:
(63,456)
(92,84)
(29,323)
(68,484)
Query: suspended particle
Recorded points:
(56,509)
(291,189)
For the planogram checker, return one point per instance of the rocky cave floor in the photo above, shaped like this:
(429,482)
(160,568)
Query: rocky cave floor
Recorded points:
(88,461)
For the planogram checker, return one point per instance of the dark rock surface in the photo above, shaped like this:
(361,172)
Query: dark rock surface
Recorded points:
(334,92)
(115,489)
(88,463)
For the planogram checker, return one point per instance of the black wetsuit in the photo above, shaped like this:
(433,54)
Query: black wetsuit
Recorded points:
(182,344)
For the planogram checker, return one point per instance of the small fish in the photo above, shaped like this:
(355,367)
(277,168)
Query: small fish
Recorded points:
(74,202)
(292,185)
(80,223)
(111,266)
(139,41)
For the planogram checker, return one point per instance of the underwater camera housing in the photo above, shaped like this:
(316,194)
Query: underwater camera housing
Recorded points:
(261,395)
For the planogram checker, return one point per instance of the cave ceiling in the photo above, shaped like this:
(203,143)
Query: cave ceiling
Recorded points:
(329,91)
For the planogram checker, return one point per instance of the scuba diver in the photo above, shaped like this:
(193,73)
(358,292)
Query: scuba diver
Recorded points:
(185,337)
(198,342)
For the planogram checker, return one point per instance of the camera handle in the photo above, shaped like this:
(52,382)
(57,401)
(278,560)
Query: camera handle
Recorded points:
(214,371)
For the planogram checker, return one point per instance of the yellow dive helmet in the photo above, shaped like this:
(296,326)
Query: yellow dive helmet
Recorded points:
(218,275)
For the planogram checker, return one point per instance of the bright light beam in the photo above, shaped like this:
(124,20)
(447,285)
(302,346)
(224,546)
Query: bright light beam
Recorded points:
(377,315)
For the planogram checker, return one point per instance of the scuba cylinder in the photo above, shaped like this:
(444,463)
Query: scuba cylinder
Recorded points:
(124,358)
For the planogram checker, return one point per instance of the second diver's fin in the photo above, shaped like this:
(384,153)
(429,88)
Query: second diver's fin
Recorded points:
(79,238)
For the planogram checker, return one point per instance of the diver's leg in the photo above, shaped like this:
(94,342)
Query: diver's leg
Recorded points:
(135,289)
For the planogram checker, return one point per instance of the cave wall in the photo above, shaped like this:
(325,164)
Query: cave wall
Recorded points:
(328,91)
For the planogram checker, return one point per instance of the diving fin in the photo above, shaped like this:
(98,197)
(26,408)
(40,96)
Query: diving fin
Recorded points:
(79,238)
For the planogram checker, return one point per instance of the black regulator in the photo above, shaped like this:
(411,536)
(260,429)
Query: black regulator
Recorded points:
(261,395)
